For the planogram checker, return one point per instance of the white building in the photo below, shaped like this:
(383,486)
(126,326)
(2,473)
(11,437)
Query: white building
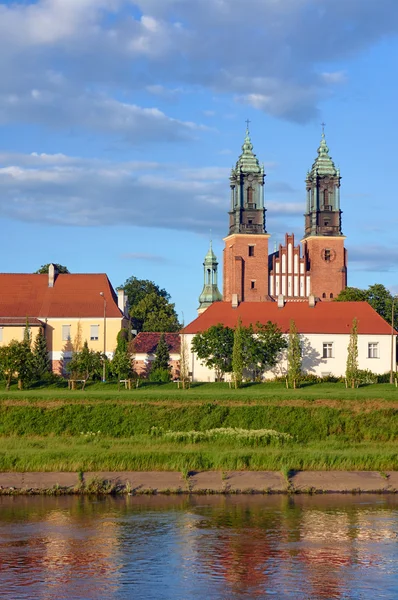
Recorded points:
(324,329)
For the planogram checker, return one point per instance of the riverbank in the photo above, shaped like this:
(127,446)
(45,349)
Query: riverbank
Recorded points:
(202,482)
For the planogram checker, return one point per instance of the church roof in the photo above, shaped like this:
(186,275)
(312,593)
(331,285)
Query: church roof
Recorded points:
(324,318)
(323,164)
(248,161)
(77,296)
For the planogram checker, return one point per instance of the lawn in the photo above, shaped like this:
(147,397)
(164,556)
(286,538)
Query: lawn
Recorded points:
(217,392)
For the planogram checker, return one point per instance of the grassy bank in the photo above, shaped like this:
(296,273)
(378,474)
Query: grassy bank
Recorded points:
(306,424)
(143,453)
(220,392)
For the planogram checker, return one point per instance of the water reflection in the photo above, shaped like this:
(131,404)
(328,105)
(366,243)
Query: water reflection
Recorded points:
(219,547)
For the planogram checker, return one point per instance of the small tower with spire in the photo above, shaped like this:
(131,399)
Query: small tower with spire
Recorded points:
(210,292)
(323,243)
(246,245)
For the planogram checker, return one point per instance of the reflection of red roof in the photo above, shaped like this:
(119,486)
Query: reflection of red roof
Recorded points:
(325,317)
(15,321)
(145,343)
(23,295)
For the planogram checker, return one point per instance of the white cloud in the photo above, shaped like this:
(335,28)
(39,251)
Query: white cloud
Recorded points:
(57,57)
(59,189)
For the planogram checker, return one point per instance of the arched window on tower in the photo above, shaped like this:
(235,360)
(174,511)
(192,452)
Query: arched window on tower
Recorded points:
(208,277)
(323,295)
(250,197)
(326,204)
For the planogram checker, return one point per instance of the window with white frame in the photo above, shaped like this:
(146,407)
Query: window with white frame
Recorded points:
(373,350)
(1,334)
(94,332)
(66,333)
(327,350)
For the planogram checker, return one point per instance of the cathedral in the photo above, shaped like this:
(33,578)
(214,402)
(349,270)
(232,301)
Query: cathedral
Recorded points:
(315,270)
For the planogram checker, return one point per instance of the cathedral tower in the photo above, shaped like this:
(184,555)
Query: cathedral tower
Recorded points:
(323,243)
(246,246)
(210,292)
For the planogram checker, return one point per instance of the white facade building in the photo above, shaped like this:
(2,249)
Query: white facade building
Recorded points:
(324,331)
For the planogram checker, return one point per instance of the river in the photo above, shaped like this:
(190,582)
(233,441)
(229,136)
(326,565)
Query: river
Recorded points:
(203,547)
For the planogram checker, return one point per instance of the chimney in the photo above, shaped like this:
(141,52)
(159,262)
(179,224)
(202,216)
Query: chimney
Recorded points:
(235,301)
(281,301)
(52,274)
(311,301)
(122,301)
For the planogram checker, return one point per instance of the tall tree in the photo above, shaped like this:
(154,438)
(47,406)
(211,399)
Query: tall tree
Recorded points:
(268,343)
(9,361)
(41,362)
(136,289)
(44,269)
(162,355)
(154,313)
(214,348)
(294,359)
(352,356)
(237,354)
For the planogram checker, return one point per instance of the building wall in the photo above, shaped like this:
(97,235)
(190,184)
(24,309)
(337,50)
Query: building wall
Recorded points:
(142,364)
(241,269)
(10,333)
(313,361)
(61,350)
(288,276)
(328,277)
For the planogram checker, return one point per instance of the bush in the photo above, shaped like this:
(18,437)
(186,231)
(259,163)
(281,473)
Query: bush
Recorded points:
(160,376)
(246,437)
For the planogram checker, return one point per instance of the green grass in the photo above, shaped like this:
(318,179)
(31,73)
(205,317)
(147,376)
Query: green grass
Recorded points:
(143,453)
(220,392)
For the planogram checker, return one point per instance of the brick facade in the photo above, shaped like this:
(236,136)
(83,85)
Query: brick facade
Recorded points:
(326,260)
(246,267)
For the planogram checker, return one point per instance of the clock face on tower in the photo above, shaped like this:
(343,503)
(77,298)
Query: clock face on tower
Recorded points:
(328,254)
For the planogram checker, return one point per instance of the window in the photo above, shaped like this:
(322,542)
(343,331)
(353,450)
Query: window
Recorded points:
(331,295)
(327,253)
(253,285)
(323,295)
(327,351)
(373,350)
(94,332)
(250,221)
(251,250)
(1,334)
(66,333)
(250,195)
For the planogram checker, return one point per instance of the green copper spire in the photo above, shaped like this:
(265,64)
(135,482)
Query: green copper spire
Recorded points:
(323,164)
(248,161)
(210,292)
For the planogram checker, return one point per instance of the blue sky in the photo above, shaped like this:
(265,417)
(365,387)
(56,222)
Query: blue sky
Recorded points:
(120,121)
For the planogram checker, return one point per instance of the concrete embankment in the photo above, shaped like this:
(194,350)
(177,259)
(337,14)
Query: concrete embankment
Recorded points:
(207,482)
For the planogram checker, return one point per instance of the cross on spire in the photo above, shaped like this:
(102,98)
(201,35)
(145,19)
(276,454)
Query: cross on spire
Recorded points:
(247,124)
(323,127)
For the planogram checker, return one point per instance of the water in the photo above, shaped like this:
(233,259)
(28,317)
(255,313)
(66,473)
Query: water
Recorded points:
(209,548)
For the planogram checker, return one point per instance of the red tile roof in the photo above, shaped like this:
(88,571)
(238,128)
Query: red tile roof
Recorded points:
(146,343)
(325,317)
(21,321)
(77,296)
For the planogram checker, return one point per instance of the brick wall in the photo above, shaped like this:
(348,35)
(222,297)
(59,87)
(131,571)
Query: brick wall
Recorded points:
(327,261)
(245,270)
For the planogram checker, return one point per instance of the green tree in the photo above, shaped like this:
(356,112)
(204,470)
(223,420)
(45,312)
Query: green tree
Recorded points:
(237,354)
(85,364)
(351,373)
(294,359)
(122,365)
(154,313)
(378,296)
(9,361)
(352,294)
(267,344)
(44,269)
(41,362)
(162,355)
(214,348)
(136,289)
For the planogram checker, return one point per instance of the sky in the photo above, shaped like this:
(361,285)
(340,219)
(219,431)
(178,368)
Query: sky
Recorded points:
(121,119)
